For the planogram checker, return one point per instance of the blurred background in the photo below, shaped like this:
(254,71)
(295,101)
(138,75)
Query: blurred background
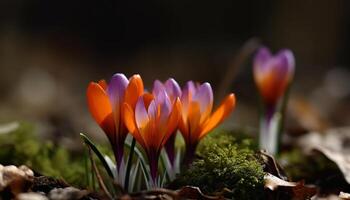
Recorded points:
(51,50)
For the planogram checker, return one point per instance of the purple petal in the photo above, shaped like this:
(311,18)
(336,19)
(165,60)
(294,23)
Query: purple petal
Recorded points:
(165,107)
(157,87)
(152,110)
(116,89)
(282,64)
(204,96)
(187,93)
(287,60)
(262,56)
(173,88)
(141,115)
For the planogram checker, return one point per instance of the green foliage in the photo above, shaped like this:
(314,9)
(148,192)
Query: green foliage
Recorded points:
(224,164)
(23,147)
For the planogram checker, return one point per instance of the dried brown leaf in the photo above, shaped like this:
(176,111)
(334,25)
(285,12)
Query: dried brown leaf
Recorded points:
(334,144)
(296,190)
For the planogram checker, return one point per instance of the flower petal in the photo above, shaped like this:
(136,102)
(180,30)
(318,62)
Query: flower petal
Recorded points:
(204,96)
(286,62)
(186,97)
(103,84)
(194,116)
(141,115)
(173,89)
(157,87)
(219,115)
(152,110)
(130,123)
(173,121)
(147,98)
(134,90)
(100,107)
(116,89)
(262,56)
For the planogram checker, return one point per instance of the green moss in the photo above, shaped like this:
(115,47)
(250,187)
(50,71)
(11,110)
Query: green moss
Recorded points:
(23,147)
(224,164)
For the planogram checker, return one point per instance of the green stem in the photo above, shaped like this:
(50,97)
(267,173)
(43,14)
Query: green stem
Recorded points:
(128,167)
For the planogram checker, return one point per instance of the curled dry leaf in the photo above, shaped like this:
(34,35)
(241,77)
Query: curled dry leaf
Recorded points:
(18,180)
(271,166)
(296,190)
(334,144)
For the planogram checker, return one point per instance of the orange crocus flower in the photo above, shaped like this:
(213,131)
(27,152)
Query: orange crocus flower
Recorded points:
(151,123)
(197,118)
(105,103)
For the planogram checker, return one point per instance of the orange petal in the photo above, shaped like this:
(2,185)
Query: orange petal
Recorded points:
(130,123)
(134,90)
(147,98)
(194,116)
(219,115)
(103,84)
(173,121)
(100,107)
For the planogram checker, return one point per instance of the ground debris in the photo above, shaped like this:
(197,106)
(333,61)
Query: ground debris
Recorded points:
(334,144)
(14,180)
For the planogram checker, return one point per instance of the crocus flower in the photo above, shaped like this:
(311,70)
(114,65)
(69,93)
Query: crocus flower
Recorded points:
(197,118)
(151,123)
(173,90)
(273,73)
(105,103)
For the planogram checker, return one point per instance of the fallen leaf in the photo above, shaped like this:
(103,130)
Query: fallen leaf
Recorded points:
(334,144)
(271,166)
(295,190)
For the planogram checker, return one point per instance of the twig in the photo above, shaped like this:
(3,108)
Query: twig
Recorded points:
(98,175)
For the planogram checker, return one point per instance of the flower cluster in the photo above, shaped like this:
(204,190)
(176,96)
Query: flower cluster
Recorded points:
(153,118)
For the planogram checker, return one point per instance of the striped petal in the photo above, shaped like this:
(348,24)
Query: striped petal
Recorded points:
(219,115)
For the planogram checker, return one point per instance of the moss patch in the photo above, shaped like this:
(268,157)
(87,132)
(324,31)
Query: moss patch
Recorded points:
(226,164)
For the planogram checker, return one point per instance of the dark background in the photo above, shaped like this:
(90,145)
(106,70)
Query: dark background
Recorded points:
(50,50)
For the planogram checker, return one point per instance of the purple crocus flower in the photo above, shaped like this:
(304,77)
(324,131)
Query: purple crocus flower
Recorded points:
(152,123)
(273,73)
(173,90)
